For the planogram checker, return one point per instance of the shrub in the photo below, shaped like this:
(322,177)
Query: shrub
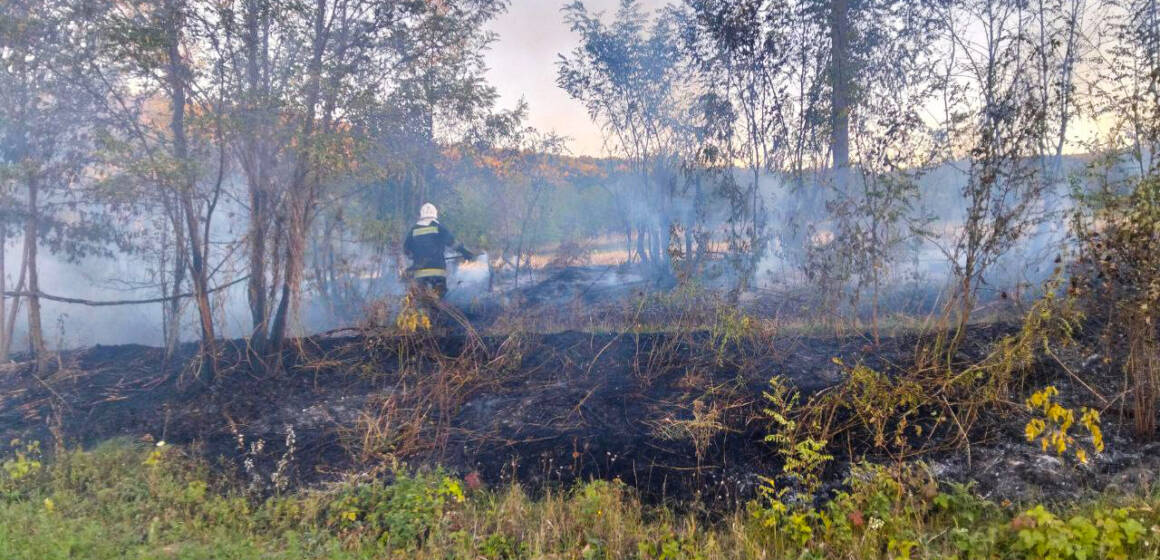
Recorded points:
(19,469)
(1121,259)
(1052,424)
(399,515)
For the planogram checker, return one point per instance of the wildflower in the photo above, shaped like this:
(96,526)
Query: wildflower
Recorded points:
(856,519)
(474,482)
(876,523)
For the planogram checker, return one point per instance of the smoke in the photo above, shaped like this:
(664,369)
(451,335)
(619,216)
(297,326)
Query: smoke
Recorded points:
(469,281)
(798,219)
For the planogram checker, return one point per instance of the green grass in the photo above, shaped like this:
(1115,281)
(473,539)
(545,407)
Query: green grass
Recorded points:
(127,500)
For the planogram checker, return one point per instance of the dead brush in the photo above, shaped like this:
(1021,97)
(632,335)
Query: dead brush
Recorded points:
(1142,375)
(384,432)
(700,330)
(704,424)
(718,411)
(571,253)
(939,401)
(430,377)
(1119,278)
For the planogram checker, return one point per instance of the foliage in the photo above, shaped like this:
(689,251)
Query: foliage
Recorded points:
(399,515)
(1051,323)
(907,411)
(804,456)
(1120,268)
(107,503)
(17,469)
(1052,424)
(412,317)
(1108,534)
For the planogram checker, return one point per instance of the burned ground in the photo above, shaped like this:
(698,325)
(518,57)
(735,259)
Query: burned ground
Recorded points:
(675,415)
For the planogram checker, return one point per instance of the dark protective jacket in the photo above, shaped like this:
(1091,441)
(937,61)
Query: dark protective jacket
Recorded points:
(425,245)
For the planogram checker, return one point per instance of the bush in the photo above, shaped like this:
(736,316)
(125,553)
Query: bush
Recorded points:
(1120,243)
(400,515)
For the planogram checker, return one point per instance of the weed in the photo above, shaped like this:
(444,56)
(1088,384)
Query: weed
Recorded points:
(108,503)
(1052,424)
(17,470)
(400,515)
(804,459)
(731,326)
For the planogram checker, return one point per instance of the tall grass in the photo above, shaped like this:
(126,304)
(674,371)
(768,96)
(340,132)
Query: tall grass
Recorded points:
(127,500)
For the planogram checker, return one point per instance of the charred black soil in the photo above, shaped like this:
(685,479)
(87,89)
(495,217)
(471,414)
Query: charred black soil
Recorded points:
(675,415)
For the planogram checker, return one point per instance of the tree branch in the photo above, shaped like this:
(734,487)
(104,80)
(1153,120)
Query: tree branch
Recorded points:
(107,303)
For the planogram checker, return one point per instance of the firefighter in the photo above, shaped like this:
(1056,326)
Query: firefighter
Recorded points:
(425,245)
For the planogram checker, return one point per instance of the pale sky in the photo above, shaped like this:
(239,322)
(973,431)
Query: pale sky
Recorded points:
(522,63)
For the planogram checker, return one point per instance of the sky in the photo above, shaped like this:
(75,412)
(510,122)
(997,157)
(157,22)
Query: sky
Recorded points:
(522,63)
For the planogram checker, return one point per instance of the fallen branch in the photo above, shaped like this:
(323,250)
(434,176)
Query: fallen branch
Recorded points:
(105,303)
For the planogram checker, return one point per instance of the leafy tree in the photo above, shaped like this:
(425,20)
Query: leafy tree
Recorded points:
(1126,88)
(143,62)
(47,152)
(422,91)
(626,73)
(745,53)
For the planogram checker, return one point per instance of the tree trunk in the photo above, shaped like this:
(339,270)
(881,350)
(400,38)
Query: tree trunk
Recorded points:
(640,250)
(10,325)
(177,76)
(31,235)
(4,334)
(256,289)
(301,191)
(628,241)
(689,247)
(172,308)
(664,264)
(291,283)
(842,86)
(966,306)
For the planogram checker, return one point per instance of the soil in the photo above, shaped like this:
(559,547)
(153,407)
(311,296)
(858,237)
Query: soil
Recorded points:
(675,415)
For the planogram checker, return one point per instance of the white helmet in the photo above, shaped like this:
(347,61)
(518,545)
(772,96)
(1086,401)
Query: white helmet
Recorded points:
(428,212)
